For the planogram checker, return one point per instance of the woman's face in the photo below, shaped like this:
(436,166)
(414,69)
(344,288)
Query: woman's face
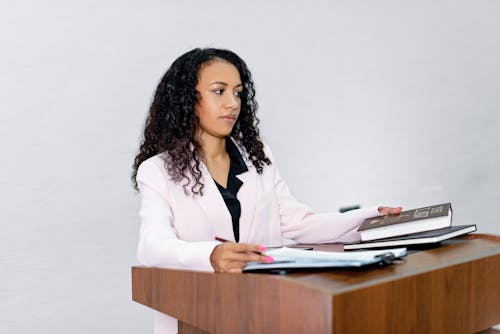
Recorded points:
(219,87)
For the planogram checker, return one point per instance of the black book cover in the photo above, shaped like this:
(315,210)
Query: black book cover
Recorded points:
(420,238)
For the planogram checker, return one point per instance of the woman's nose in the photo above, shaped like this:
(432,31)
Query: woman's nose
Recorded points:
(232,101)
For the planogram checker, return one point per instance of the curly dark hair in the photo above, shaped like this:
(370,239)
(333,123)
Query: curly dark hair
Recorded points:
(171,123)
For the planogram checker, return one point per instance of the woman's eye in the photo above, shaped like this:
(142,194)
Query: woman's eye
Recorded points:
(238,94)
(219,91)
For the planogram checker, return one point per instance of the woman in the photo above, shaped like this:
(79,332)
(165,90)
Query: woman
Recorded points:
(204,174)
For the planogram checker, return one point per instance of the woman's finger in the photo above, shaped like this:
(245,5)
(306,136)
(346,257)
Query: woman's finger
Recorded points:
(229,255)
(244,252)
(246,257)
(247,248)
(252,257)
(232,266)
(385,210)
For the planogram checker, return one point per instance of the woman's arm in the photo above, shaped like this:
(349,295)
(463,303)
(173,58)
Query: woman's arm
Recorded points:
(158,242)
(300,223)
(159,245)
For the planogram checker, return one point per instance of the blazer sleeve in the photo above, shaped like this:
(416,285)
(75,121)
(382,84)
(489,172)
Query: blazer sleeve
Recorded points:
(300,223)
(159,245)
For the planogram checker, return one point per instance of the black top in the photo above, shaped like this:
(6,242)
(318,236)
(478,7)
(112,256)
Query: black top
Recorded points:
(237,166)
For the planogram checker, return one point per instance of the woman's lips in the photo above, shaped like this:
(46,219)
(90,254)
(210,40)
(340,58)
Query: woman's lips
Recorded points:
(229,118)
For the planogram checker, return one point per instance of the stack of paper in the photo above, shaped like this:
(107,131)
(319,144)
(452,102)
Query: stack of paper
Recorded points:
(298,258)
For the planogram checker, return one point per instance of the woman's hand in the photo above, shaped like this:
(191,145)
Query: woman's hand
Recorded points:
(230,257)
(385,210)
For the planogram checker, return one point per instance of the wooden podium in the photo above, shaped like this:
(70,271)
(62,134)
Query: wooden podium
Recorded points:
(454,288)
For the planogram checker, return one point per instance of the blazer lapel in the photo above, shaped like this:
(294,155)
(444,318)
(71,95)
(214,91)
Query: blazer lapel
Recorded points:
(247,197)
(215,208)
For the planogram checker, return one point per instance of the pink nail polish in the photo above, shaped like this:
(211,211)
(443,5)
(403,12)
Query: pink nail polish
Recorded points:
(269,259)
(262,248)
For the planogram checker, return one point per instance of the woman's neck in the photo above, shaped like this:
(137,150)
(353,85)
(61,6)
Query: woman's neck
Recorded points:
(213,148)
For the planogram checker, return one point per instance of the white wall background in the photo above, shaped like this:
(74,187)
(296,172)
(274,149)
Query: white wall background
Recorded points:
(365,102)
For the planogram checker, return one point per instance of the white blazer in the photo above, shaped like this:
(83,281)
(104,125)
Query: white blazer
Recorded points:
(178,230)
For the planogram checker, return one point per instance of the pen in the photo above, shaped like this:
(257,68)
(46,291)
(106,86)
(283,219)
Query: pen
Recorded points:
(262,248)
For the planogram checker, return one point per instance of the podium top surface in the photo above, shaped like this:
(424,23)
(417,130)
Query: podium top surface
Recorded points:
(336,281)
(451,252)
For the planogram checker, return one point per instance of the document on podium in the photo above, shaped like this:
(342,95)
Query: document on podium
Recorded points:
(290,258)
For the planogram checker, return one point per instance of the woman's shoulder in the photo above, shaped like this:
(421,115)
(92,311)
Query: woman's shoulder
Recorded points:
(152,166)
(267,151)
(158,159)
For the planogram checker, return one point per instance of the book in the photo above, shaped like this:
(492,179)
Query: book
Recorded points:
(411,221)
(428,237)
(294,258)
